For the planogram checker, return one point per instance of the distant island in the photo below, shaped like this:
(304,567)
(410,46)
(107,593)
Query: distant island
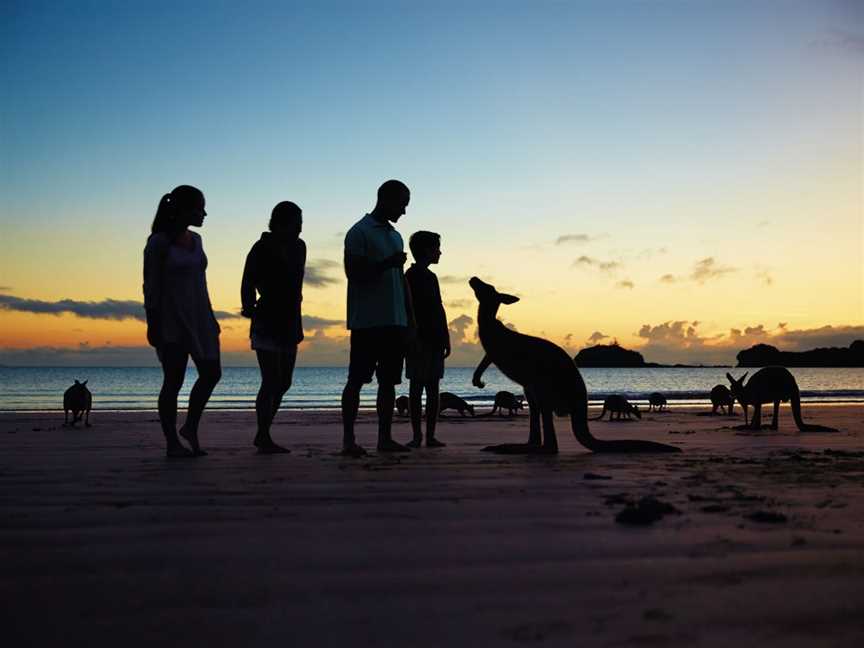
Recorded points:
(763,355)
(614,355)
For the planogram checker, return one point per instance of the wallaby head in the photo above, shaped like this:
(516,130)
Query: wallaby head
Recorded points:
(488,296)
(737,386)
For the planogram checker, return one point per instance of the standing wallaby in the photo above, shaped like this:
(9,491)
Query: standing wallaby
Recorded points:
(619,405)
(78,400)
(771,384)
(721,397)
(402,405)
(551,381)
(656,401)
(505,400)
(452,401)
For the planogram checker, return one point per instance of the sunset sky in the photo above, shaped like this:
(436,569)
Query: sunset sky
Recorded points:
(684,177)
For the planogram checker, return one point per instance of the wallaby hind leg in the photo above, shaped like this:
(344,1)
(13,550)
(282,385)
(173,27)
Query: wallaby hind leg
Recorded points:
(534,440)
(774,421)
(550,441)
(87,419)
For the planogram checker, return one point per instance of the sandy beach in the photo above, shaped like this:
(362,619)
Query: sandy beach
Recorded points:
(105,542)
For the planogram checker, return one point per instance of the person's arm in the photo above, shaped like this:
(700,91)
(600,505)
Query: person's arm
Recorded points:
(154,261)
(301,272)
(442,319)
(478,372)
(247,284)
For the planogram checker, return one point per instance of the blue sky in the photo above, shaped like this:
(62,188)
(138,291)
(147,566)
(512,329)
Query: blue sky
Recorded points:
(682,126)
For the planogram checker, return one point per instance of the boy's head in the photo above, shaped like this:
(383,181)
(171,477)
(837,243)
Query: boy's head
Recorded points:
(425,246)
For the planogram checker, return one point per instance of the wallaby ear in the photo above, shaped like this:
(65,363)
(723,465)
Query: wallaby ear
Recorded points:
(84,383)
(744,377)
(77,383)
(731,379)
(507,299)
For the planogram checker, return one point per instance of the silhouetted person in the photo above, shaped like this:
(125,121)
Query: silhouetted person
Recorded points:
(180,319)
(274,269)
(377,313)
(424,363)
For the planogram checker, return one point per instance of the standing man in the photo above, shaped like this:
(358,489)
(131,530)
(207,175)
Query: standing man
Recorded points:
(377,313)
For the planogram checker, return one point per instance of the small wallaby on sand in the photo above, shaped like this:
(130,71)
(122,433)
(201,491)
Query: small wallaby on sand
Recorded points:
(771,384)
(402,405)
(452,401)
(505,400)
(656,401)
(721,397)
(78,400)
(547,373)
(619,405)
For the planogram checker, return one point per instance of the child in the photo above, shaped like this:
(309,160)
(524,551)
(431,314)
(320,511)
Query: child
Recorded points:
(425,360)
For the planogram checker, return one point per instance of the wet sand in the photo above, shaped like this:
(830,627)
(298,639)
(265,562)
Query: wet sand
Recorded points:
(106,543)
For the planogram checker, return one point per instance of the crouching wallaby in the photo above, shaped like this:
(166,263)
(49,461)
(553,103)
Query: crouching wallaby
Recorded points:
(771,384)
(656,401)
(78,400)
(403,404)
(618,405)
(721,397)
(452,401)
(552,383)
(505,400)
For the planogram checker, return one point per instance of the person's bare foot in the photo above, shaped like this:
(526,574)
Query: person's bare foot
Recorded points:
(435,443)
(414,443)
(192,438)
(272,448)
(177,450)
(354,451)
(392,446)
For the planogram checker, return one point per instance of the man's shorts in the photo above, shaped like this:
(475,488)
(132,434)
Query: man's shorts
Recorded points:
(425,364)
(380,351)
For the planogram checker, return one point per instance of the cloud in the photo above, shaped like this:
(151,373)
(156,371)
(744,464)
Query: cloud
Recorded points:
(626,283)
(668,278)
(572,238)
(312,322)
(106,309)
(466,350)
(454,279)
(596,336)
(460,303)
(707,269)
(681,341)
(605,266)
(318,273)
(841,41)
(765,277)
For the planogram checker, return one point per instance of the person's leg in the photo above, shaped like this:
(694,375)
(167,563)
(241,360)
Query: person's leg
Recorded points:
(432,414)
(267,401)
(287,360)
(209,373)
(388,345)
(416,404)
(174,361)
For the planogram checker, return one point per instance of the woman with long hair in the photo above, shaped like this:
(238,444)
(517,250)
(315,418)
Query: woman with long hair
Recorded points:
(180,319)
(274,270)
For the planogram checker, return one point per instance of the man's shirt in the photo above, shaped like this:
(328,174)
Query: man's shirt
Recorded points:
(381,300)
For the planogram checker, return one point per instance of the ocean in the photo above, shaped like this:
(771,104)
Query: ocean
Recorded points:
(41,388)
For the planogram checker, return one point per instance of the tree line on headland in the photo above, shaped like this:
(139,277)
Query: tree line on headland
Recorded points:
(759,355)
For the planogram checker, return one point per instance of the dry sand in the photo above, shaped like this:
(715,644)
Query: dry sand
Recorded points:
(106,543)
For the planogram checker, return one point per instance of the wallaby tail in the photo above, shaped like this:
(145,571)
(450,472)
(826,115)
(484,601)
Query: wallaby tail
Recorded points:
(579,422)
(597,418)
(796,414)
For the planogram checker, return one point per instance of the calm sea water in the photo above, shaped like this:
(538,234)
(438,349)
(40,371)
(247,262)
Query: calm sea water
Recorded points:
(37,388)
